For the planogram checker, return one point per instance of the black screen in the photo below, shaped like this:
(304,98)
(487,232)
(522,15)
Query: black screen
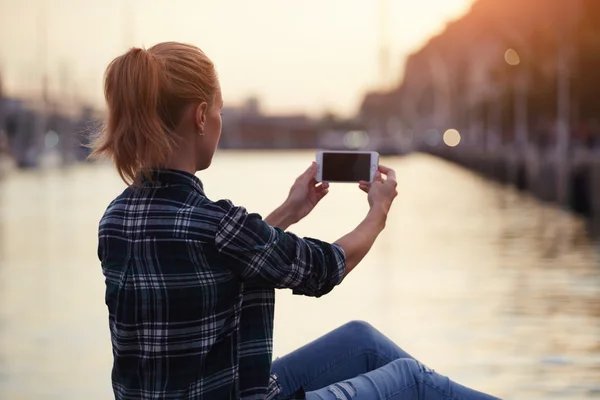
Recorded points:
(346,167)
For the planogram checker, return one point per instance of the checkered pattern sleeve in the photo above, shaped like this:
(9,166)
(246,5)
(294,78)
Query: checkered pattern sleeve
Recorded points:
(256,251)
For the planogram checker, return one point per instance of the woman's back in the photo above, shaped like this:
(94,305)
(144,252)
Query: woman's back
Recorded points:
(190,290)
(173,306)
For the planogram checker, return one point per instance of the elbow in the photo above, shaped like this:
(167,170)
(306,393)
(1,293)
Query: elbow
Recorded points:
(316,291)
(317,280)
(322,267)
(321,281)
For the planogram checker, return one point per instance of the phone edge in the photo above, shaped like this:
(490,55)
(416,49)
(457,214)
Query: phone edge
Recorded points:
(319,161)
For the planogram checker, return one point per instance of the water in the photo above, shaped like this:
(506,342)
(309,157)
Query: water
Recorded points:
(483,284)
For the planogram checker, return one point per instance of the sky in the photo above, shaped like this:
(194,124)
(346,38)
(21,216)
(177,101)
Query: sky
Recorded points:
(301,56)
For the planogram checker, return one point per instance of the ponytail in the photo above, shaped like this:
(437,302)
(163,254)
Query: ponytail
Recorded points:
(134,135)
(146,94)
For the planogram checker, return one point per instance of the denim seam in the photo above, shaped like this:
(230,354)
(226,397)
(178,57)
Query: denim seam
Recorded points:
(399,391)
(337,364)
(448,396)
(437,389)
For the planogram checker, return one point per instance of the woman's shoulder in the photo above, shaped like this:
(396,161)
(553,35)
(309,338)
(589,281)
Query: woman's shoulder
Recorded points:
(184,207)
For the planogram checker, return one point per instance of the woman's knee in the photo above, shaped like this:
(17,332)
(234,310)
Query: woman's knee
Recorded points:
(360,328)
(363,332)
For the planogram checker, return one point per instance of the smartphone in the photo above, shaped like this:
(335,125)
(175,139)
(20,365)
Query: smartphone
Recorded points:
(346,166)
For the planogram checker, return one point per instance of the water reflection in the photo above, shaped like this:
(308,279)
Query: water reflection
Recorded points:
(483,283)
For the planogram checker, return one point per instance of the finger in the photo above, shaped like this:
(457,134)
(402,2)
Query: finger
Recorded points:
(322,185)
(322,194)
(383,169)
(389,173)
(364,187)
(377,177)
(310,171)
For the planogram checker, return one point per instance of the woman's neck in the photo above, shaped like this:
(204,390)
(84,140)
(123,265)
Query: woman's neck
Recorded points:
(183,158)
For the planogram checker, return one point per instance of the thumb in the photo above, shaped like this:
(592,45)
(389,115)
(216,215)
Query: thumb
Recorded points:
(377,177)
(310,172)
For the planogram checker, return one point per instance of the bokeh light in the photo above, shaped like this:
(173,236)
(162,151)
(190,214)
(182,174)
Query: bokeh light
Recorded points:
(433,137)
(512,57)
(356,140)
(451,138)
(51,139)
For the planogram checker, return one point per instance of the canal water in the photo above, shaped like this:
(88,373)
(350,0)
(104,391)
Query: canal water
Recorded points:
(486,285)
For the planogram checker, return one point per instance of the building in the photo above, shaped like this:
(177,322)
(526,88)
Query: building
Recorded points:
(246,127)
(506,72)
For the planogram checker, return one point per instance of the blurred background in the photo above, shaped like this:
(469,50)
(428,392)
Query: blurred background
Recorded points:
(489,268)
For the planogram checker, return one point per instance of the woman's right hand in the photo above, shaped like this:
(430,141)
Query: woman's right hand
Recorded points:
(381,192)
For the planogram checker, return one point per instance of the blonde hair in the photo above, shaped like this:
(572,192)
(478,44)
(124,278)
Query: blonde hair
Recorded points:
(146,92)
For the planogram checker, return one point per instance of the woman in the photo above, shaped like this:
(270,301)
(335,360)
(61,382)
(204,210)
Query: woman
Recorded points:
(190,281)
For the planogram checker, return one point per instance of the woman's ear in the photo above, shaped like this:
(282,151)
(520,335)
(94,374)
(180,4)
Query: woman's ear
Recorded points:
(200,116)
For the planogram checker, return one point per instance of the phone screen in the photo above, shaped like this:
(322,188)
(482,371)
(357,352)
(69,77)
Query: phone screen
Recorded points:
(346,167)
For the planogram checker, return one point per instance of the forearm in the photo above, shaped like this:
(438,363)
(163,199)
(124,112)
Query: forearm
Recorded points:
(281,217)
(357,243)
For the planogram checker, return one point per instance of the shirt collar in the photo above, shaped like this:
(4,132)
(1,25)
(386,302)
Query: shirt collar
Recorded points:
(172,177)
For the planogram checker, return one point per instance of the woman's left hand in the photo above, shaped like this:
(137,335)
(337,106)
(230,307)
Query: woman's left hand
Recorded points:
(305,194)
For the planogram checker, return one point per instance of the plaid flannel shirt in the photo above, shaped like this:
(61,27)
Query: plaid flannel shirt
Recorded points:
(190,290)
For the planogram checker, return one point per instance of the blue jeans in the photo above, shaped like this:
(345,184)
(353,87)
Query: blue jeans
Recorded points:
(358,362)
